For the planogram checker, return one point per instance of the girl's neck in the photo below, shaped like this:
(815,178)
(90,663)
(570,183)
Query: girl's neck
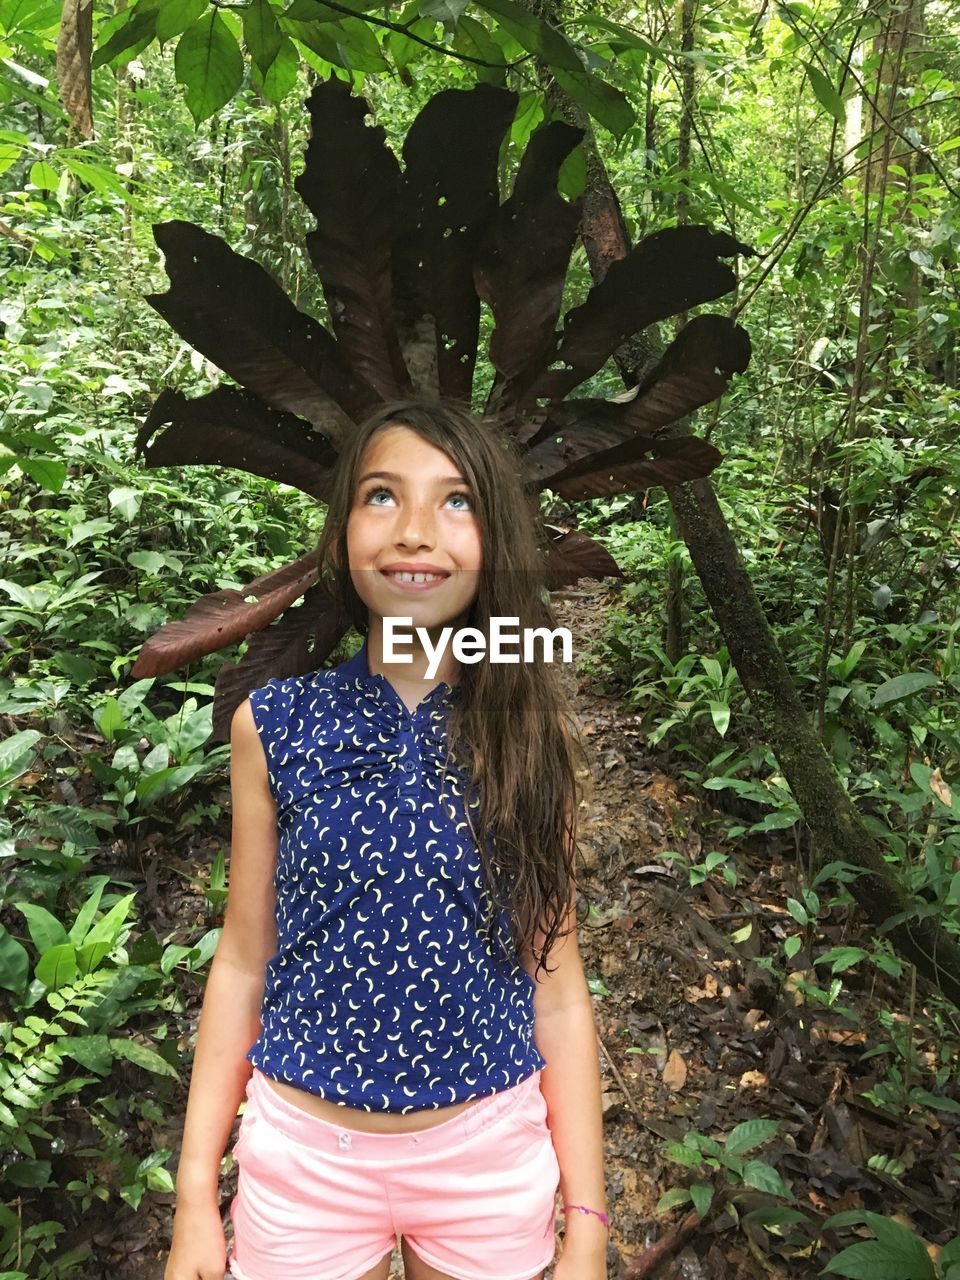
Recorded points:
(412,674)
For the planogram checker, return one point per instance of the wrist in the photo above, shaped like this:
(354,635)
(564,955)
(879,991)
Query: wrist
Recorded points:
(198,1188)
(586,1231)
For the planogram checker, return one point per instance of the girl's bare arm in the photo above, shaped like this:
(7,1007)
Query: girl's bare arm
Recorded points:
(230,1018)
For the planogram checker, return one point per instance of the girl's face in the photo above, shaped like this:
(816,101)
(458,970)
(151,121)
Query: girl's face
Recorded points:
(413,541)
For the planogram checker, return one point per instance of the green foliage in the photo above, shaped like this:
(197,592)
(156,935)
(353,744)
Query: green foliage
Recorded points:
(895,1253)
(704,1155)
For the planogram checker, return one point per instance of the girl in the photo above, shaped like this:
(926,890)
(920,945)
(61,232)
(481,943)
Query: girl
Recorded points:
(413,1066)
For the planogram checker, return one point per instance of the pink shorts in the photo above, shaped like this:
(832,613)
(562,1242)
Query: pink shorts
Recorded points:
(474,1196)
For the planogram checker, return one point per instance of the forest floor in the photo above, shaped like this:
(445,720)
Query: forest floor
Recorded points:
(693,1035)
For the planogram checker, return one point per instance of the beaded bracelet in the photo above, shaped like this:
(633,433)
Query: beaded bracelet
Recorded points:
(584,1209)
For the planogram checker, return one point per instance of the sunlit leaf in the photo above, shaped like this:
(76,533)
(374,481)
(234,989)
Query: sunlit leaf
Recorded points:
(209,65)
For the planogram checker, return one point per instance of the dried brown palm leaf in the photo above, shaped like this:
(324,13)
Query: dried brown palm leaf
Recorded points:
(230,428)
(574,555)
(225,617)
(350,184)
(670,271)
(695,369)
(448,194)
(230,309)
(299,641)
(627,467)
(522,264)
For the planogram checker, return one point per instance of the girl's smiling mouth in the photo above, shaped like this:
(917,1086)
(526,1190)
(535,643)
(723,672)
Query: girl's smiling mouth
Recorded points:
(415,577)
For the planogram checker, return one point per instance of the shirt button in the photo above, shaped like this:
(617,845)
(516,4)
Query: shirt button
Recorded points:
(409,766)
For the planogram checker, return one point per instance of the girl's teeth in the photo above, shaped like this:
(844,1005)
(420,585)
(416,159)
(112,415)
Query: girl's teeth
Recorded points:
(417,577)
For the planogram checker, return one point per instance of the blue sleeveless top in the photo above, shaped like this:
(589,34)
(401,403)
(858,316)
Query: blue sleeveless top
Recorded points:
(384,992)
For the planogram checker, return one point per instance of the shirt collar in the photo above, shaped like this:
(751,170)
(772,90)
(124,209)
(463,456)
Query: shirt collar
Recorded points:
(355,673)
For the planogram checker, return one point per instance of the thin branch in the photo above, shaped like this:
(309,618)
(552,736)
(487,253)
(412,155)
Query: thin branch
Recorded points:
(401,28)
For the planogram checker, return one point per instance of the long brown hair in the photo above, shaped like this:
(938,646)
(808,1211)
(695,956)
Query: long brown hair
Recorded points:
(510,725)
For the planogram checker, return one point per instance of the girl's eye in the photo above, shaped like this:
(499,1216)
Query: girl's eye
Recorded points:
(463,500)
(371,496)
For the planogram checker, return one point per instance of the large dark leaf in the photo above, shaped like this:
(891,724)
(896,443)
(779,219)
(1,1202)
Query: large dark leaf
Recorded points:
(350,184)
(669,271)
(626,467)
(694,370)
(230,428)
(297,643)
(573,556)
(522,262)
(224,618)
(230,309)
(449,190)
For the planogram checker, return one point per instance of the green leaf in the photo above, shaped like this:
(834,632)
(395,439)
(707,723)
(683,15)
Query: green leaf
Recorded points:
(798,911)
(165,782)
(92,1052)
(357,46)
(842,958)
(141,1056)
(176,15)
(261,34)
(16,752)
(827,95)
(702,1196)
(209,65)
(109,719)
(904,686)
(124,37)
(78,930)
(109,928)
(720,715)
(282,75)
(85,529)
(48,473)
(472,38)
(762,1177)
(14,963)
(45,929)
(622,35)
(91,955)
(151,562)
(126,501)
(29,1173)
(749,1135)
(44,176)
(680,1153)
(677,1196)
(12,146)
(572,178)
(80,670)
(935,1100)
(58,966)
(792,945)
(873,1260)
(534,35)
(606,104)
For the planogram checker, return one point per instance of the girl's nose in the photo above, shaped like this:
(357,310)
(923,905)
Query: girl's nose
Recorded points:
(415,526)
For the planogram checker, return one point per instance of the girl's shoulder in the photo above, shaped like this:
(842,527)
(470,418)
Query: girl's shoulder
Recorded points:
(290,690)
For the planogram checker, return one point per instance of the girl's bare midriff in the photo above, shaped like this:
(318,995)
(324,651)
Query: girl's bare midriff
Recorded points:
(366,1121)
